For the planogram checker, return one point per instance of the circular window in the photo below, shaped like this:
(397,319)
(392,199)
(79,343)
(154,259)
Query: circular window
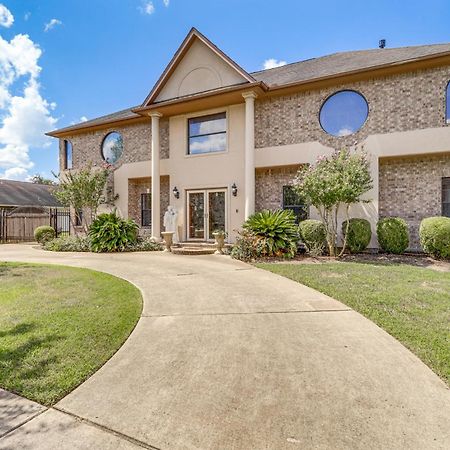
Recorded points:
(112,147)
(343,113)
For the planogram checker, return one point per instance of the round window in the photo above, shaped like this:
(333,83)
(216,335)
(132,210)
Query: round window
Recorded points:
(343,113)
(112,147)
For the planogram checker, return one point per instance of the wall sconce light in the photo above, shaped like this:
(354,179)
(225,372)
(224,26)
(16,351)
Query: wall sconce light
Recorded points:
(234,189)
(176,192)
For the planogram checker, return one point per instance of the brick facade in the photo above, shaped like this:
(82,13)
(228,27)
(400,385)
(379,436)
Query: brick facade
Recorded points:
(269,186)
(403,102)
(411,188)
(138,186)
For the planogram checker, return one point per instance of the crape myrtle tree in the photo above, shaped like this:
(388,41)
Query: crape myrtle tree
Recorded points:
(332,184)
(84,192)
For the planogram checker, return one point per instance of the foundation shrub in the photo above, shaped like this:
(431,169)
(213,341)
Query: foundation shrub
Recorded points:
(393,235)
(44,234)
(358,233)
(68,244)
(313,235)
(434,235)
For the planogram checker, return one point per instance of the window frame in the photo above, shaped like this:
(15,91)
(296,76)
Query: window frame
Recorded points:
(445,185)
(103,141)
(66,159)
(145,223)
(447,105)
(294,207)
(188,135)
(336,93)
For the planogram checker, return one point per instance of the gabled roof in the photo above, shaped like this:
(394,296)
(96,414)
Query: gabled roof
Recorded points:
(345,62)
(193,35)
(22,193)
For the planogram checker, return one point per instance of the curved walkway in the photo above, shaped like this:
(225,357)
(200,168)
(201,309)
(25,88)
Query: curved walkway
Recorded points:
(227,356)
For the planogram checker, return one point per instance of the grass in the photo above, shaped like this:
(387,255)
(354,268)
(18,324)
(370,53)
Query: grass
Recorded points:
(410,303)
(58,325)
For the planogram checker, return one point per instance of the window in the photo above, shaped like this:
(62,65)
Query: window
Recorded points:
(68,164)
(446,196)
(207,134)
(112,147)
(293,200)
(343,113)
(146,210)
(447,103)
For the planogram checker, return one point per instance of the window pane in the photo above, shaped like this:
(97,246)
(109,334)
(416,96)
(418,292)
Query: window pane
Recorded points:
(208,144)
(448,103)
(215,123)
(68,150)
(344,113)
(112,147)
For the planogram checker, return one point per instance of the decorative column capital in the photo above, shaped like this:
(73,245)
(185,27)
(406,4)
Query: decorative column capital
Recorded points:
(249,94)
(155,114)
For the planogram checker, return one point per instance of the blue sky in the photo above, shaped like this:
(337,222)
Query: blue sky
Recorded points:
(99,56)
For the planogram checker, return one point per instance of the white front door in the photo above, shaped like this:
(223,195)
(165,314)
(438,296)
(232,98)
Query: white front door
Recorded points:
(206,213)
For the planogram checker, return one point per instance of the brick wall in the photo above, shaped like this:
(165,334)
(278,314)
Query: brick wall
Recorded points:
(402,102)
(411,188)
(269,186)
(138,186)
(136,140)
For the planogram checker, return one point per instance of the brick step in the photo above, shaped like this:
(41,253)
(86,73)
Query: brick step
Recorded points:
(191,250)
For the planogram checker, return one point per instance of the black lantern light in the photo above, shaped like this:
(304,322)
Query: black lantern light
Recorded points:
(234,189)
(176,192)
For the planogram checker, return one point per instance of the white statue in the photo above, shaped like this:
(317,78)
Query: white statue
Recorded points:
(171,222)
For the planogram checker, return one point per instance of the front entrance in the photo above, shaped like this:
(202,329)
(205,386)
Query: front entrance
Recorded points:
(206,213)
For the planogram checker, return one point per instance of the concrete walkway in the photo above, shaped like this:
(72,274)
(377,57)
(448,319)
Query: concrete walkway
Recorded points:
(227,356)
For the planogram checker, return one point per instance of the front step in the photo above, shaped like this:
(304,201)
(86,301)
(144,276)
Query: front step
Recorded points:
(191,250)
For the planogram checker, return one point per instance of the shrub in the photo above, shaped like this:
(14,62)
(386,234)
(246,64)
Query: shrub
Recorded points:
(313,235)
(277,230)
(393,235)
(68,244)
(111,233)
(359,234)
(44,234)
(146,244)
(435,236)
(248,246)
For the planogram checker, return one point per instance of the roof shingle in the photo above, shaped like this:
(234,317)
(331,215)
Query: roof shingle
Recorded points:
(22,193)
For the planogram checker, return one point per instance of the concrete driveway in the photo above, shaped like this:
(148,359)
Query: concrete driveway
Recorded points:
(227,356)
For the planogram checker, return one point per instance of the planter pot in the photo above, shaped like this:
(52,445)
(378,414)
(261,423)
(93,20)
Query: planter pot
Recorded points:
(168,240)
(220,242)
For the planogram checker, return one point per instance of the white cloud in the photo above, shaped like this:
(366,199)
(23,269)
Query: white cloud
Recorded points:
(6,18)
(83,119)
(166,3)
(345,131)
(147,8)
(25,114)
(52,24)
(272,63)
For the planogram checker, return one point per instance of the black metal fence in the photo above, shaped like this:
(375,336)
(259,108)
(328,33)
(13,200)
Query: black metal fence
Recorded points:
(18,224)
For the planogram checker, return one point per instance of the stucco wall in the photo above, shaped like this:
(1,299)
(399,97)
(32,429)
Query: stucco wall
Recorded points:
(411,188)
(402,102)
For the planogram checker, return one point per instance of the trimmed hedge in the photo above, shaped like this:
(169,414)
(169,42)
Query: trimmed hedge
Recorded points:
(434,235)
(393,235)
(313,235)
(44,234)
(359,234)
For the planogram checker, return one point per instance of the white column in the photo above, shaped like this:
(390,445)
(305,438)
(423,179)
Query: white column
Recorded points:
(249,153)
(156,201)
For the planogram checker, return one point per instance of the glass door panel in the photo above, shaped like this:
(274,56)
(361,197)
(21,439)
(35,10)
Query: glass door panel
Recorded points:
(216,212)
(196,215)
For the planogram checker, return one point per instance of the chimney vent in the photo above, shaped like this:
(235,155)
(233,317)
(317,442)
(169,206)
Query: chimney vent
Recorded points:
(382,43)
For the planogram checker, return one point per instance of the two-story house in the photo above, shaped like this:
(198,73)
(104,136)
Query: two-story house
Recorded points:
(219,143)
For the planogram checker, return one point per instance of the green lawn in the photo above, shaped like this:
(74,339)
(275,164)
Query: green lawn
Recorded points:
(410,303)
(58,325)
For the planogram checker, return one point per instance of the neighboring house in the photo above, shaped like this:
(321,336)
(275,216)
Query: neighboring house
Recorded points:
(219,143)
(14,194)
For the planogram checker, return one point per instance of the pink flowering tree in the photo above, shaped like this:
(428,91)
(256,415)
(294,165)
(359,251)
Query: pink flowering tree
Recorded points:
(332,184)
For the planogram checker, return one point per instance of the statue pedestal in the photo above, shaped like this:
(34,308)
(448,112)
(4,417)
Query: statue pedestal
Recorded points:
(168,240)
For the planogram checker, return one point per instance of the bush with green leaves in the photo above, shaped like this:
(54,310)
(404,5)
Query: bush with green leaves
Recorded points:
(393,235)
(435,236)
(248,246)
(313,235)
(110,233)
(44,234)
(68,244)
(358,233)
(145,244)
(278,231)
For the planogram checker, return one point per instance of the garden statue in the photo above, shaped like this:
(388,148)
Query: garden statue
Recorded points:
(171,222)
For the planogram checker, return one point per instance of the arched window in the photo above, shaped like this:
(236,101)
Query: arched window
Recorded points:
(112,147)
(447,103)
(68,161)
(343,113)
